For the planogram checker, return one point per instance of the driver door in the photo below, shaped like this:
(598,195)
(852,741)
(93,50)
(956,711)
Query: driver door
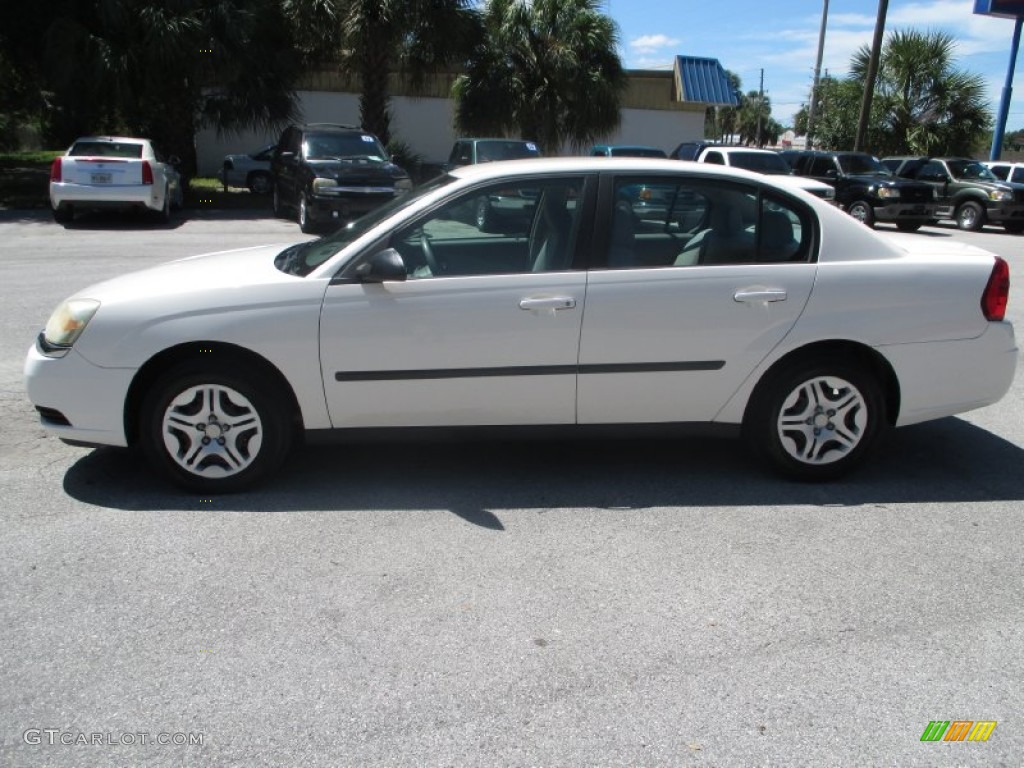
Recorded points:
(481,332)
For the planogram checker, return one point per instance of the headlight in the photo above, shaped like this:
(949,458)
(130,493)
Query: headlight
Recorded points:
(67,323)
(324,185)
(1000,195)
(888,193)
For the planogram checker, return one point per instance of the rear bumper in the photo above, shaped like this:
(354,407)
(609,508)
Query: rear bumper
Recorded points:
(944,378)
(107,196)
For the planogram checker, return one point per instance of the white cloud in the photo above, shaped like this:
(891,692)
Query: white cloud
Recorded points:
(649,44)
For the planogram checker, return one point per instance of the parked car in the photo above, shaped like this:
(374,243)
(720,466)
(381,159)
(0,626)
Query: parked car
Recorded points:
(966,191)
(747,308)
(688,150)
(471,151)
(495,210)
(765,161)
(1007,171)
(327,174)
(249,170)
(113,172)
(866,189)
(625,150)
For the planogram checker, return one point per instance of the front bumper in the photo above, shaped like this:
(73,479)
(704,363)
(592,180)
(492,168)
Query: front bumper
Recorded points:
(999,213)
(78,401)
(343,208)
(895,212)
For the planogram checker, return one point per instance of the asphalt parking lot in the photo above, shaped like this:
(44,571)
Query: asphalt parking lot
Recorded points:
(529,604)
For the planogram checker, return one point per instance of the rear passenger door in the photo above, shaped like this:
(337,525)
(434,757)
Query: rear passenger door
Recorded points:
(698,279)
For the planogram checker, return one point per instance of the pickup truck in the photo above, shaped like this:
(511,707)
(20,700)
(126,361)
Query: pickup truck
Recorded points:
(104,172)
(866,189)
(966,191)
(767,162)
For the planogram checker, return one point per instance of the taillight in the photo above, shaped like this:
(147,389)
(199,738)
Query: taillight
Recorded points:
(55,170)
(997,292)
(147,172)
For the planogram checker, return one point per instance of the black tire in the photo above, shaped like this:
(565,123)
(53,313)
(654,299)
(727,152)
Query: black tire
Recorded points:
(279,209)
(909,226)
(164,214)
(260,183)
(816,419)
(63,214)
(970,216)
(1014,227)
(305,222)
(235,409)
(862,212)
(484,215)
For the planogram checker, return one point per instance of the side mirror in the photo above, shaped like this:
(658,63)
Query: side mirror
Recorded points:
(381,267)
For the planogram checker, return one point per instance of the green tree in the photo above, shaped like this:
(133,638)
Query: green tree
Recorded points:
(545,70)
(376,38)
(162,70)
(922,105)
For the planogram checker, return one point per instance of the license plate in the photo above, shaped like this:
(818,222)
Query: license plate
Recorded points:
(101,178)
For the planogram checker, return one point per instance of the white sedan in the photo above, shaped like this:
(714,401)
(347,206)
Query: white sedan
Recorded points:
(104,172)
(741,304)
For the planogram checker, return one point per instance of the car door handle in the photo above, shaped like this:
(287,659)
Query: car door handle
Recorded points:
(548,302)
(760,294)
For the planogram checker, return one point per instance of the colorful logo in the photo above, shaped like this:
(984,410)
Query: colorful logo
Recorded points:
(958,730)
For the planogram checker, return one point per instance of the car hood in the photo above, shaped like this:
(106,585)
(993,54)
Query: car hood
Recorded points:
(224,272)
(350,169)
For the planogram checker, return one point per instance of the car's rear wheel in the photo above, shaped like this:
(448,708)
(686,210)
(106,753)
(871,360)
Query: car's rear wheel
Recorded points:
(260,183)
(970,216)
(279,210)
(862,212)
(816,419)
(63,214)
(215,429)
(908,226)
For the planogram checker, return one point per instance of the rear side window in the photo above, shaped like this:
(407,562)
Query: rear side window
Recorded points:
(662,222)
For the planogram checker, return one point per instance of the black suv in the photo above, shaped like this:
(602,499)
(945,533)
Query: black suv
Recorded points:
(866,189)
(331,174)
(966,190)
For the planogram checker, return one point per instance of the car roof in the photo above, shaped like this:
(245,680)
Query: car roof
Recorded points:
(589,164)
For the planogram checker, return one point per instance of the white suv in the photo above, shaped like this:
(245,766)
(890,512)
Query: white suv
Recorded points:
(768,162)
(1013,172)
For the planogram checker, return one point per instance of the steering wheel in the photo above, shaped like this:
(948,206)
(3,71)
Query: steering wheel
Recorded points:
(428,254)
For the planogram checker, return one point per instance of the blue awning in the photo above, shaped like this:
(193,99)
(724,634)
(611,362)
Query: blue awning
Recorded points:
(703,81)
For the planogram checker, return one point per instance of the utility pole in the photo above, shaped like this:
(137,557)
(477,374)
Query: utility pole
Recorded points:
(817,72)
(869,83)
(760,109)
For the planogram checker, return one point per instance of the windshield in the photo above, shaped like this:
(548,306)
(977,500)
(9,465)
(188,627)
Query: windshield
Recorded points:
(769,163)
(863,164)
(487,151)
(105,149)
(337,146)
(637,152)
(302,258)
(970,169)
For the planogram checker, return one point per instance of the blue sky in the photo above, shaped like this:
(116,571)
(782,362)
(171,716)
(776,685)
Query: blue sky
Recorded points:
(782,37)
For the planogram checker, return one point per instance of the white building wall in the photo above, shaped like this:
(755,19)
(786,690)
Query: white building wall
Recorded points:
(425,124)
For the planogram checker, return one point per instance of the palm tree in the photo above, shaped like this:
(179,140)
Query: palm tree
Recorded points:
(161,70)
(546,70)
(924,104)
(376,38)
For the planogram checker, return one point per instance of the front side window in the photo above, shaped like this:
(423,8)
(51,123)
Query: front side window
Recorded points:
(695,222)
(512,227)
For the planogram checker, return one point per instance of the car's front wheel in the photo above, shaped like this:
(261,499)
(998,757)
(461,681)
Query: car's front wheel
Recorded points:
(970,216)
(862,212)
(305,221)
(816,419)
(215,429)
